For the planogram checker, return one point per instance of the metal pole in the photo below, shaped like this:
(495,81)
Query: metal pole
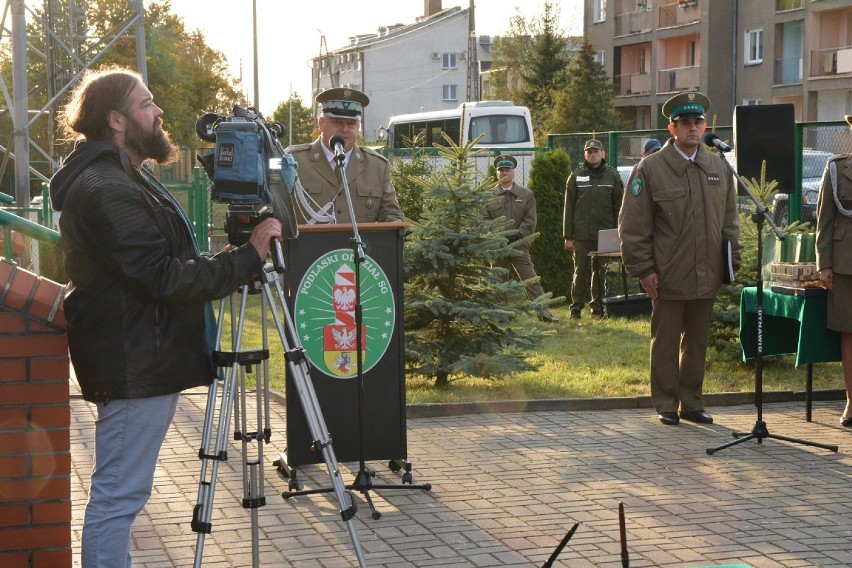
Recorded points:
(141,56)
(256,80)
(19,97)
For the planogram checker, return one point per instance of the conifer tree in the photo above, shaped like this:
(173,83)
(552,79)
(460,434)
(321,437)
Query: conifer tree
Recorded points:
(586,104)
(461,312)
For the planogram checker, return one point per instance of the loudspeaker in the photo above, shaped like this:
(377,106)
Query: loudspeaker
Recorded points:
(765,132)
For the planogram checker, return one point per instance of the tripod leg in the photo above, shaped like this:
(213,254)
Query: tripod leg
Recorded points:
(298,367)
(202,513)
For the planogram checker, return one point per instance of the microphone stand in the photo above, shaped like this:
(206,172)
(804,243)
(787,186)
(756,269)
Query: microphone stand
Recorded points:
(760,430)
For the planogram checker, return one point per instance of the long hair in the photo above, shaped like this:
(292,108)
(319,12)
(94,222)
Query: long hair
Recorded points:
(99,93)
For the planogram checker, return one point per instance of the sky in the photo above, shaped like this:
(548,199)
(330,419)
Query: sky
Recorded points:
(289,34)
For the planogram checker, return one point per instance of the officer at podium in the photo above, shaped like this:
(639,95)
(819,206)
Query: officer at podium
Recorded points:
(320,194)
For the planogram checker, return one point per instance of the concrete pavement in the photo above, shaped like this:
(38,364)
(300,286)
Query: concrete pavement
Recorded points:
(507,486)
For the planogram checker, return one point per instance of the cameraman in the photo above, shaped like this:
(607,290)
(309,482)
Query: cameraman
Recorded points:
(367,173)
(140,324)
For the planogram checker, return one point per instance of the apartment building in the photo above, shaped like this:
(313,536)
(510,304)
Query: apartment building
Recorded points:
(738,52)
(405,68)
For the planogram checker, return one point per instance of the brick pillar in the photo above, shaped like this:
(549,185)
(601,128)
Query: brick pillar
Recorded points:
(35,461)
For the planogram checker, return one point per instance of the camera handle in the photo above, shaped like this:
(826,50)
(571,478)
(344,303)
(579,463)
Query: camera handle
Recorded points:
(277,256)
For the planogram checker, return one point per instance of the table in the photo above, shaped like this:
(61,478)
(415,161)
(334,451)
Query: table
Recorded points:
(791,325)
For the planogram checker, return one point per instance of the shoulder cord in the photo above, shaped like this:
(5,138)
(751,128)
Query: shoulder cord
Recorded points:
(832,169)
(310,209)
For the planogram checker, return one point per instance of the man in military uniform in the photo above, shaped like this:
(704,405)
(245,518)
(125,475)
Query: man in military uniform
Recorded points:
(321,198)
(517,203)
(679,208)
(592,199)
(834,259)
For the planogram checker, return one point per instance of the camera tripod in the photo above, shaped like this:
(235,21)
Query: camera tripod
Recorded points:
(236,364)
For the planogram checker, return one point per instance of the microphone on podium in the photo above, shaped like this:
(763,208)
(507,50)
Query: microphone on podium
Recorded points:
(712,140)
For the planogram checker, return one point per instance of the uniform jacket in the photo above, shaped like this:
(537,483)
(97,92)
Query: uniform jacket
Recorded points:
(592,200)
(138,298)
(368,175)
(673,220)
(518,205)
(834,229)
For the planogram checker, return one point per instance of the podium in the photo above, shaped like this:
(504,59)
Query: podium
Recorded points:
(319,279)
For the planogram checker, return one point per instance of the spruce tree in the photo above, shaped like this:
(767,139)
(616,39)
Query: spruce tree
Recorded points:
(461,311)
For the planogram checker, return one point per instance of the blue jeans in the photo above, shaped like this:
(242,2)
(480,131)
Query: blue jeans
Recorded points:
(128,437)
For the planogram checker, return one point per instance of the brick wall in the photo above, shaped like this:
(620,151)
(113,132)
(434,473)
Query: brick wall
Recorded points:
(35,461)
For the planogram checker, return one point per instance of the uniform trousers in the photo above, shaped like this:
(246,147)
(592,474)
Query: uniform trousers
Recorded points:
(678,351)
(128,437)
(523,266)
(587,283)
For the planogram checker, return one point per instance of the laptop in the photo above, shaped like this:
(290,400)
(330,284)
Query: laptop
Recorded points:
(608,241)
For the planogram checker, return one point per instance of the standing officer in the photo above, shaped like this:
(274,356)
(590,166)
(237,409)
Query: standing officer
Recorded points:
(517,203)
(834,258)
(679,207)
(320,199)
(592,199)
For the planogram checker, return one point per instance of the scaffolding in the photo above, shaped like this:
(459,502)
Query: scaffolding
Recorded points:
(54,34)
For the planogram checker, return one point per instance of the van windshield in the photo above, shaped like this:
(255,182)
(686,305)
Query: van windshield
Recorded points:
(499,129)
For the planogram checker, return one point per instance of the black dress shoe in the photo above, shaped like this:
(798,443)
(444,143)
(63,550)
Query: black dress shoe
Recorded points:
(669,418)
(699,416)
(575,314)
(549,318)
(847,422)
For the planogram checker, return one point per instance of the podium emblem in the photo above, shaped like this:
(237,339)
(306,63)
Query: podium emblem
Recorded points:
(325,314)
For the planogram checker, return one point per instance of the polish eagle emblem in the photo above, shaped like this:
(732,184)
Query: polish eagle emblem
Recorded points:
(345,298)
(344,339)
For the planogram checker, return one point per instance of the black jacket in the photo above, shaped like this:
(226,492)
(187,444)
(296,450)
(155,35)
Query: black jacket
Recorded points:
(137,306)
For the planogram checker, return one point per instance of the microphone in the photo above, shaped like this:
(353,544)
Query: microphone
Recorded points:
(712,140)
(337,143)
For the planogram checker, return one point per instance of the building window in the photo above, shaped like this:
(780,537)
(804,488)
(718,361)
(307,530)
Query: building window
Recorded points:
(598,11)
(753,47)
(449,61)
(751,102)
(599,58)
(450,93)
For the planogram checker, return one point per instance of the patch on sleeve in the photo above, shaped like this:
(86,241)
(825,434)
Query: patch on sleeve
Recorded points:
(636,187)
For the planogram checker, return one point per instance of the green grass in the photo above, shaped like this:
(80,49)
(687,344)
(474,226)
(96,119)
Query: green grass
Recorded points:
(583,359)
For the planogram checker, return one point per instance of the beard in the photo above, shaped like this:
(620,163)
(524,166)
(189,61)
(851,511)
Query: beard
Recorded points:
(154,145)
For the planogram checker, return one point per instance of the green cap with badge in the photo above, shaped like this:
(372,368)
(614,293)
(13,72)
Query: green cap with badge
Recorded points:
(691,104)
(505,161)
(342,102)
(593,143)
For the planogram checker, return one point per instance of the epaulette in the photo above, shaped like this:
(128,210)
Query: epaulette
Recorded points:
(836,157)
(299,147)
(372,152)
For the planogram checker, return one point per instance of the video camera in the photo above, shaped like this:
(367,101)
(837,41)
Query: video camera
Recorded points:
(249,171)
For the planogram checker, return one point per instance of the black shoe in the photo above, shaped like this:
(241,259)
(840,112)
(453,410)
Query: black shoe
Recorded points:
(699,416)
(575,314)
(548,318)
(846,422)
(669,418)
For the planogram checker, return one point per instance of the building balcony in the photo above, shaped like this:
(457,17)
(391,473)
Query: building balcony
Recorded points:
(785,5)
(678,79)
(832,61)
(788,70)
(679,13)
(633,84)
(638,21)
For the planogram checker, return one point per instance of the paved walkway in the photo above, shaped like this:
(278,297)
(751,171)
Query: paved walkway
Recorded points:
(507,487)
